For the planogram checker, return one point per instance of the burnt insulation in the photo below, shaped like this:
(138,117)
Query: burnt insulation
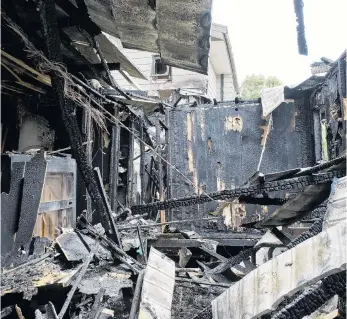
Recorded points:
(67,107)
(288,184)
(313,298)
(300,28)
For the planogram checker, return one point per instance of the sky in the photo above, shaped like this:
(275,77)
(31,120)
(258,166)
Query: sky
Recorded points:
(263,35)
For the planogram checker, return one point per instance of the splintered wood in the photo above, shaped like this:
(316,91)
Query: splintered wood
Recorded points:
(158,287)
(259,292)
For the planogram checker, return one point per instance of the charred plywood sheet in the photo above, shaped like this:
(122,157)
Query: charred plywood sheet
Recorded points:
(178,30)
(218,147)
(259,292)
(158,287)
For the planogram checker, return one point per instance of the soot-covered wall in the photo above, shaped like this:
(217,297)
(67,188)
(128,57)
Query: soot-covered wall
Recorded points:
(218,147)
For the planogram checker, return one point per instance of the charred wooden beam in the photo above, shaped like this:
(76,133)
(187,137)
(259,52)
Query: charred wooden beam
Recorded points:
(114,165)
(130,171)
(81,273)
(137,294)
(160,170)
(142,161)
(311,299)
(142,245)
(87,130)
(300,28)
(292,183)
(114,229)
(67,107)
(96,307)
(168,159)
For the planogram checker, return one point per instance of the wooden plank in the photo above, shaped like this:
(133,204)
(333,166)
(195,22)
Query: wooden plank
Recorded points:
(264,288)
(158,286)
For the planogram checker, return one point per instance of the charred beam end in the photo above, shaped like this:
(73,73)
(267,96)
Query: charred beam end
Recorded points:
(67,107)
(311,299)
(300,28)
(314,230)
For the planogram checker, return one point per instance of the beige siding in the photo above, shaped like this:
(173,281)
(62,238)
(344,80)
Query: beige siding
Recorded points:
(218,85)
(229,89)
(180,78)
(143,60)
(211,88)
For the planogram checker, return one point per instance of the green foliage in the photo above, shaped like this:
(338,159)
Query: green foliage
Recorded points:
(253,84)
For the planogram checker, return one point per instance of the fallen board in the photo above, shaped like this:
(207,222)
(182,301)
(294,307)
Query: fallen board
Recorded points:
(34,177)
(158,286)
(259,292)
(72,247)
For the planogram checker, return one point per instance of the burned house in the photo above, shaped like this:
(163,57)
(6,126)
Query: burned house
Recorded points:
(120,204)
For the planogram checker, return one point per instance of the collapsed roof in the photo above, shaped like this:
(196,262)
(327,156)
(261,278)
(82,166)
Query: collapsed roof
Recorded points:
(148,26)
